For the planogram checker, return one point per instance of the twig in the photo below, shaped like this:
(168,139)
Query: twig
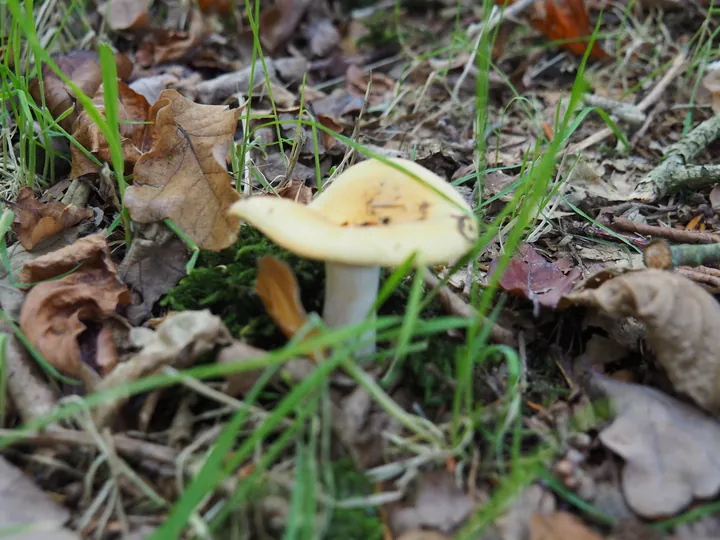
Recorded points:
(679,236)
(627,112)
(675,69)
(712,283)
(457,306)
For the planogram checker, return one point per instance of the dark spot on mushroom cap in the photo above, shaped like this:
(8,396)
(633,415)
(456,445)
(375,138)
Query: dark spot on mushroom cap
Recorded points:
(385,221)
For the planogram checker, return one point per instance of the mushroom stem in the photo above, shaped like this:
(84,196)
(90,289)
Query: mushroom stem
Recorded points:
(350,292)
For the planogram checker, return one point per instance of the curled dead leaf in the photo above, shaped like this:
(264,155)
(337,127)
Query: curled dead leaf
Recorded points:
(134,126)
(83,69)
(683,326)
(668,448)
(297,191)
(55,312)
(35,220)
(381,86)
(163,46)
(279,22)
(184,176)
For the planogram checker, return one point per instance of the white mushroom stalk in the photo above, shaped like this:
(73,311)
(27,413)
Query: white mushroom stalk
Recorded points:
(372,215)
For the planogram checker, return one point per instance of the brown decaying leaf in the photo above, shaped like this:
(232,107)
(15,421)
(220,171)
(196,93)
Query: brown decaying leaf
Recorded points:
(528,274)
(154,264)
(560,526)
(135,131)
(564,20)
(177,342)
(297,191)
(279,22)
(164,46)
(83,69)
(53,313)
(35,220)
(381,86)
(668,447)
(280,294)
(683,326)
(128,14)
(184,177)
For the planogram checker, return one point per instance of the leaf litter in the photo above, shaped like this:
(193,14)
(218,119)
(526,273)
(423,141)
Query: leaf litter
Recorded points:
(433,454)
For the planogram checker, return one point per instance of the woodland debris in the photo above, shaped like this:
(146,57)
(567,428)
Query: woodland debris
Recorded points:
(664,443)
(35,220)
(25,506)
(682,320)
(184,176)
(55,313)
(669,233)
(177,342)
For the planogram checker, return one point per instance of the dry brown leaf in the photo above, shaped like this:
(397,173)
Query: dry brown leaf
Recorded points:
(35,220)
(560,526)
(171,45)
(184,177)
(297,191)
(135,132)
(421,534)
(515,523)
(154,264)
(128,14)
(177,342)
(668,448)
(381,86)
(54,312)
(711,88)
(23,505)
(279,22)
(683,326)
(83,69)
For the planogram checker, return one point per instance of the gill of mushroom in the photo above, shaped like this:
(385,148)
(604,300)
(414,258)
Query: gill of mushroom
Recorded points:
(372,215)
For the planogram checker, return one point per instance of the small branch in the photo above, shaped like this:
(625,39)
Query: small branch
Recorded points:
(457,306)
(679,236)
(627,112)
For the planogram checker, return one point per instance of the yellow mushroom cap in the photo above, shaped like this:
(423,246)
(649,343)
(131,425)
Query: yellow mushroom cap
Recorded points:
(371,214)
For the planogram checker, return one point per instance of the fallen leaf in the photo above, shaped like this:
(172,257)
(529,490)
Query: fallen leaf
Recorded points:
(560,526)
(135,129)
(682,320)
(36,221)
(381,86)
(421,534)
(164,46)
(436,502)
(153,265)
(563,20)
(128,14)
(23,505)
(711,91)
(715,198)
(528,274)
(184,177)
(177,342)
(222,7)
(55,312)
(296,190)
(279,22)
(83,69)
(668,448)
(323,37)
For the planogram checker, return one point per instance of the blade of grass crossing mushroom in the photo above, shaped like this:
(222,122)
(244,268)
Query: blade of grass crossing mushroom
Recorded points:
(412,313)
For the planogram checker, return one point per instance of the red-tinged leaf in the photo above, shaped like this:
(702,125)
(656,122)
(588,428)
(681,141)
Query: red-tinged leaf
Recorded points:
(538,280)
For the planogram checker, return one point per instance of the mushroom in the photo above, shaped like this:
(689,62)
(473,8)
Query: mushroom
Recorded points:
(373,214)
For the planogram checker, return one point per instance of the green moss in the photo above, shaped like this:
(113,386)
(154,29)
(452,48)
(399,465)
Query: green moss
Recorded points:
(356,523)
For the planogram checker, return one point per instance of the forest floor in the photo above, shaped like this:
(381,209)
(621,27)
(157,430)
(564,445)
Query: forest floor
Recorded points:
(168,363)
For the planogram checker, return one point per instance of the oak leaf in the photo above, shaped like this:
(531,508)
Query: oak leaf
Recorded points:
(55,312)
(184,176)
(35,220)
(83,69)
(669,447)
(682,321)
(134,126)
